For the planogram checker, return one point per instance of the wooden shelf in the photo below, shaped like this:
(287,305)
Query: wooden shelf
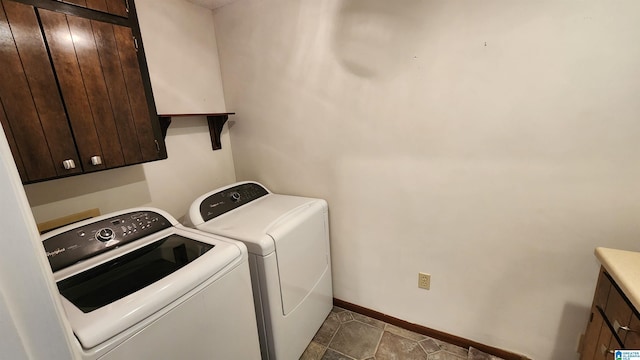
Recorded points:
(216,122)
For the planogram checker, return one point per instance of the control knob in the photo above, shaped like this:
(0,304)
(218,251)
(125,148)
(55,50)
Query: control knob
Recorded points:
(235,196)
(105,234)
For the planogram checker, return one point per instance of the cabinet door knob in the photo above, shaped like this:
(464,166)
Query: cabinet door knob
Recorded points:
(96,160)
(69,164)
(617,326)
(605,350)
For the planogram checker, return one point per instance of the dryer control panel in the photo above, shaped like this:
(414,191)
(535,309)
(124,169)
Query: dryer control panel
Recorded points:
(89,240)
(231,198)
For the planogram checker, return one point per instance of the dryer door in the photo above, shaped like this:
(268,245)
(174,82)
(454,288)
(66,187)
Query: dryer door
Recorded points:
(302,250)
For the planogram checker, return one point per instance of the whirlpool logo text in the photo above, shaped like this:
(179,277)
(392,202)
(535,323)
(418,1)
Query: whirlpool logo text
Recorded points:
(55,252)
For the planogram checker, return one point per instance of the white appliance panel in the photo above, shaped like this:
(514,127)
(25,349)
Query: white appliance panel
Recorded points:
(288,336)
(300,244)
(220,330)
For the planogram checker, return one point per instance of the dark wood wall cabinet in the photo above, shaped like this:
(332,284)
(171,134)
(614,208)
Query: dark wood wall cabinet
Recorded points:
(75,94)
(117,7)
(614,323)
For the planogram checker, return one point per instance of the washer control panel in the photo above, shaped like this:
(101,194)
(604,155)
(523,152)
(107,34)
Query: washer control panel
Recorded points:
(83,242)
(226,200)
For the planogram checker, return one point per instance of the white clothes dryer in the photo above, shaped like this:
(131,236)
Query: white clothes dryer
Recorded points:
(289,258)
(136,284)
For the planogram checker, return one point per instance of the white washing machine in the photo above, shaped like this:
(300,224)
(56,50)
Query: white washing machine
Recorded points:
(289,258)
(138,285)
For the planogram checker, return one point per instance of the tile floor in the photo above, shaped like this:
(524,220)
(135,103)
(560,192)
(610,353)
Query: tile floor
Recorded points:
(347,335)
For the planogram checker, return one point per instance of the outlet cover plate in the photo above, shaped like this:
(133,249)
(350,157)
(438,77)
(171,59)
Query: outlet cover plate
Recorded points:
(424,281)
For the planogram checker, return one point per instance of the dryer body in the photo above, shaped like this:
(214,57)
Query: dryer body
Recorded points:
(289,259)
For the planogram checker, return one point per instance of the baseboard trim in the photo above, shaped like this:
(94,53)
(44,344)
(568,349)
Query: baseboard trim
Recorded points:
(451,339)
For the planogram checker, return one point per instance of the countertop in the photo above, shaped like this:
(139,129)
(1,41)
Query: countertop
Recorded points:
(624,268)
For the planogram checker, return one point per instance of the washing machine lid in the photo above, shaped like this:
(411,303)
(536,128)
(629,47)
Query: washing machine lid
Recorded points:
(252,222)
(122,276)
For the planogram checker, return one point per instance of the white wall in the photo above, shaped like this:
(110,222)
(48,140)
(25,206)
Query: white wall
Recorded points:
(492,144)
(182,56)
(32,324)
(180,45)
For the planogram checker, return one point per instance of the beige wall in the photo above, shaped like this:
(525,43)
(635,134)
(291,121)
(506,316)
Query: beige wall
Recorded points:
(180,44)
(492,144)
(182,56)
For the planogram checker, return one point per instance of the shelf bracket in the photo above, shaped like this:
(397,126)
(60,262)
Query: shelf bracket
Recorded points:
(165,121)
(215,121)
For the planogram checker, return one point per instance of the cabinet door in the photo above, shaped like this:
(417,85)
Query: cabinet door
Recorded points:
(632,340)
(12,144)
(606,344)
(618,312)
(591,335)
(603,288)
(115,7)
(33,114)
(99,76)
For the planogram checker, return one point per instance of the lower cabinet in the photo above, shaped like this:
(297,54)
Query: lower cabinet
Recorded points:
(614,322)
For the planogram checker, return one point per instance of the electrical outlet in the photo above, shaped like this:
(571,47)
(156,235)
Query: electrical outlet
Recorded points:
(424,281)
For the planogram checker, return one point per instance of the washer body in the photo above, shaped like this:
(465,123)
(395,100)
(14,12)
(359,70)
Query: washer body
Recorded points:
(136,284)
(289,257)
